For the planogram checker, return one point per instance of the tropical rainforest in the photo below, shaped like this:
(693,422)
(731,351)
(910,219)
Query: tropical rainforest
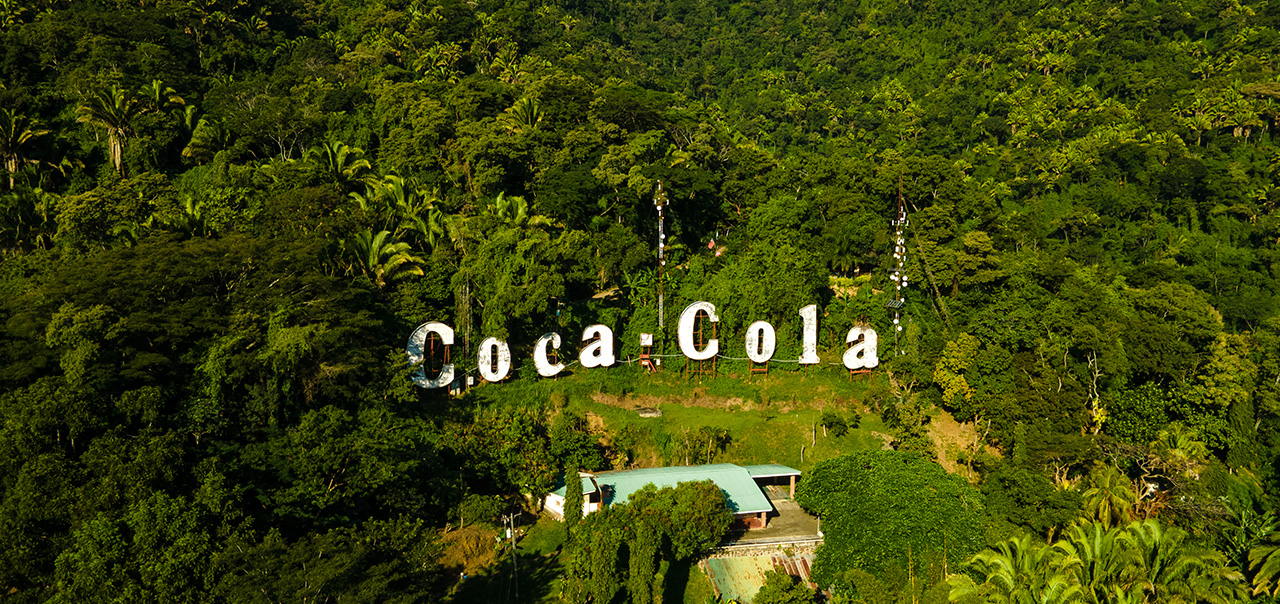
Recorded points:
(220,220)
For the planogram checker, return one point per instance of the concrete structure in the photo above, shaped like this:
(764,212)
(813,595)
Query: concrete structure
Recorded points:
(750,506)
(770,472)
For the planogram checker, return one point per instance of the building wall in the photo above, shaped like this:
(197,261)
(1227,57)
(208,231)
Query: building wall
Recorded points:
(555,504)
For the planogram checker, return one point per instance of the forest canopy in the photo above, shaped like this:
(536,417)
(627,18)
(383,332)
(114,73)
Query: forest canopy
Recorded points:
(220,220)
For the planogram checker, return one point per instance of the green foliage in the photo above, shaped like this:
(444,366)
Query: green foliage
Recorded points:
(1135,415)
(1094,563)
(782,588)
(833,422)
(220,220)
(1024,497)
(573,500)
(672,524)
(888,508)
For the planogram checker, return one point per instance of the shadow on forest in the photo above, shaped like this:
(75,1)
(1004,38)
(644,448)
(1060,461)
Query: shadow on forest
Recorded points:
(676,581)
(536,581)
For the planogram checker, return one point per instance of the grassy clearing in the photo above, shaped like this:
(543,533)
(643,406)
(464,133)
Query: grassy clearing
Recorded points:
(545,537)
(757,436)
(534,578)
(769,419)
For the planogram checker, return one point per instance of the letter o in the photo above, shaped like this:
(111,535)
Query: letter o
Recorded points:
(761,342)
(484,359)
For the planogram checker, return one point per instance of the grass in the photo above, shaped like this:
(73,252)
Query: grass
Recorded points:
(770,419)
(533,579)
(787,438)
(545,537)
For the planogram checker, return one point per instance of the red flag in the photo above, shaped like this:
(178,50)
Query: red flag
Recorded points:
(711,245)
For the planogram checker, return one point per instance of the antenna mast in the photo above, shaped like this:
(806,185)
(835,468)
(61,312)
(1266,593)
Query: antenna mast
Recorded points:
(660,200)
(898,276)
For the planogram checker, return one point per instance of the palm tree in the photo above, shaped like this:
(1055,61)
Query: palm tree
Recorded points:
(343,163)
(404,206)
(383,259)
(1021,571)
(1099,557)
(1265,559)
(1170,570)
(15,132)
(209,136)
(26,219)
(189,219)
(431,228)
(1109,496)
(514,210)
(159,97)
(525,115)
(1181,449)
(113,110)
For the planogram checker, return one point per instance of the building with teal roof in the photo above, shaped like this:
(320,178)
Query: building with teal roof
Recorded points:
(739,484)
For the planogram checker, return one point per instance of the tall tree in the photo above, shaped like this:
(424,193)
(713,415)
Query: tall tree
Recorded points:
(114,111)
(16,131)
(572,498)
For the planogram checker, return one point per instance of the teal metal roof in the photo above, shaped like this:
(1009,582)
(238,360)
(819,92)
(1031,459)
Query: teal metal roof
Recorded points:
(587,486)
(742,493)
(770,470)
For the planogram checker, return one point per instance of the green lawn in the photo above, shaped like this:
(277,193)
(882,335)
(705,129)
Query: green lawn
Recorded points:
(770,419)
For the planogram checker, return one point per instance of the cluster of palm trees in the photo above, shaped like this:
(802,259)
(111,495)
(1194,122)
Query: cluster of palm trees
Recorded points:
(115,111)
(1093,562)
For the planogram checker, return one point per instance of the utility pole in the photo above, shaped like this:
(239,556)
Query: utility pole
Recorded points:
(510,521)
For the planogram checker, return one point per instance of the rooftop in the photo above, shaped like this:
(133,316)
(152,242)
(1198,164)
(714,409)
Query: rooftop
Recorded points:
(771,470)
(741,491)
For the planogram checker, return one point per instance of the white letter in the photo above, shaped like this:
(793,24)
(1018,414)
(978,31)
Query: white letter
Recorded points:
(809,343)
(417,341)
(484,361)
(600,352)
(761,342)
(861,355)
(540,360)
(685,331)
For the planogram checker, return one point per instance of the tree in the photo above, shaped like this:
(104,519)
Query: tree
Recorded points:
(1099,557)
(782,588)
(573,500)
(16,131)
(1169,567)
(383,259)
(341,163)
(159,551)
(114,111)
(673,524)
(882,508)
(159,97)
(833,422)
(1019,571)
(1110,495)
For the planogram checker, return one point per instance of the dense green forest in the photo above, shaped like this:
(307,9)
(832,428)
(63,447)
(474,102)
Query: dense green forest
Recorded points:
(220,220)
